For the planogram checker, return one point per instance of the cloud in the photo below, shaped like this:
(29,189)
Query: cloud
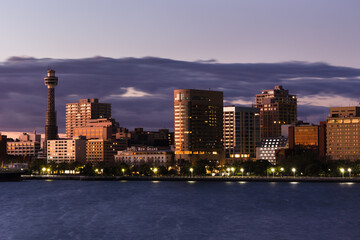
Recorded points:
(141,89)
(130,92)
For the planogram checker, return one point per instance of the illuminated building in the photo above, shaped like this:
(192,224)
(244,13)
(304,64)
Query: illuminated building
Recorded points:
(66,150)
(198,124)
(241,131)
(269,147)
(100,150)
(78,114)
(145,155)
(28,146)
(277,107)
(343,134)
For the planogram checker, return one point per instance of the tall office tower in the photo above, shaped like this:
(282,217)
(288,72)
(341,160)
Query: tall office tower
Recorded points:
(77,114)
(277,107)
(343,133)
(51,129)
(198,124)
(241,131)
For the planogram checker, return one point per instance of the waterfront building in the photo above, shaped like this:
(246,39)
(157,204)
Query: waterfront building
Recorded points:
(161,138)
(78,114)
(269,147)
(308,136)
(277,107)
(241,131)
(3,144)
(66,150)
(343,134)
(101,150)
(198,124)
(145,155)
(51,129)
(28,145)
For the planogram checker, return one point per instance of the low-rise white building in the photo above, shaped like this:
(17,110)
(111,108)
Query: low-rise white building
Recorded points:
(142,155)
(66,150)
(268,147)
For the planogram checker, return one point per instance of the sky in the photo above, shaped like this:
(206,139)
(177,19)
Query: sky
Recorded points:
(133,54)
(230,31)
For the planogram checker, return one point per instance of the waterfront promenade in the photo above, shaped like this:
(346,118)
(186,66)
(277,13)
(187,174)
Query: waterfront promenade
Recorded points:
(200,178)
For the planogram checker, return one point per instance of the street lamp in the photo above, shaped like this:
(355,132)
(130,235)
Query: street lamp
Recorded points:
(233,170)
(242,172)
(43,170)
(273,171)
(349,170)
(155,171)
(192,170)
(123,171)
(294,171)
(282,170)
(342,170)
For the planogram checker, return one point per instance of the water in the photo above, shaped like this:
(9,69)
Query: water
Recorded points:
(178,210)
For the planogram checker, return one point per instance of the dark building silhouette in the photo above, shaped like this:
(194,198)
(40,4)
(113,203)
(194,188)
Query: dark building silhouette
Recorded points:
(3,143)
(51,129)
(277,107)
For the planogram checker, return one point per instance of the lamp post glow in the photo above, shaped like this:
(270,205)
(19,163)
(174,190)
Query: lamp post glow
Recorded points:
(123,171)
(155,171)
(342,171)
(192,170)
(281,170)
(294,171)
(233,170)
(349,170)
(273,171)
(242,172)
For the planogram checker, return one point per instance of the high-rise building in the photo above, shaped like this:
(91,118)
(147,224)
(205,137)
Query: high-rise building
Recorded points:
(343,134)
(78,114)
(51,129)
(277,107)
(241,131)
(100,150)
(198,124)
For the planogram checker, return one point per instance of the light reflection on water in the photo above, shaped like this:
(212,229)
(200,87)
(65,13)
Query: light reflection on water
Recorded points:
(178,210)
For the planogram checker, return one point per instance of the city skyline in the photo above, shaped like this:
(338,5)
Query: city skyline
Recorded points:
(126,83)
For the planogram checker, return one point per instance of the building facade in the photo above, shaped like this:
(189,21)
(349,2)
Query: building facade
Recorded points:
(198,124)
(269,147)
(277,107)
(145,155)
(241,131)
(343,134)
(28,145)
(66,150)
(100,150)
(78,114)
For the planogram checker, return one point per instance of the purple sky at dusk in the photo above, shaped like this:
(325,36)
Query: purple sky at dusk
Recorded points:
(309,47)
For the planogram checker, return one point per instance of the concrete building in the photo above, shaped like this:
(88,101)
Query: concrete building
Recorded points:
(100,150)
(269,147)
(198,124)
(3,144)
(101,128)
(142,155)
(28,145)
(343,134)
(51,129)
(66,150)
(78,114)
(241,131)
(277,107)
